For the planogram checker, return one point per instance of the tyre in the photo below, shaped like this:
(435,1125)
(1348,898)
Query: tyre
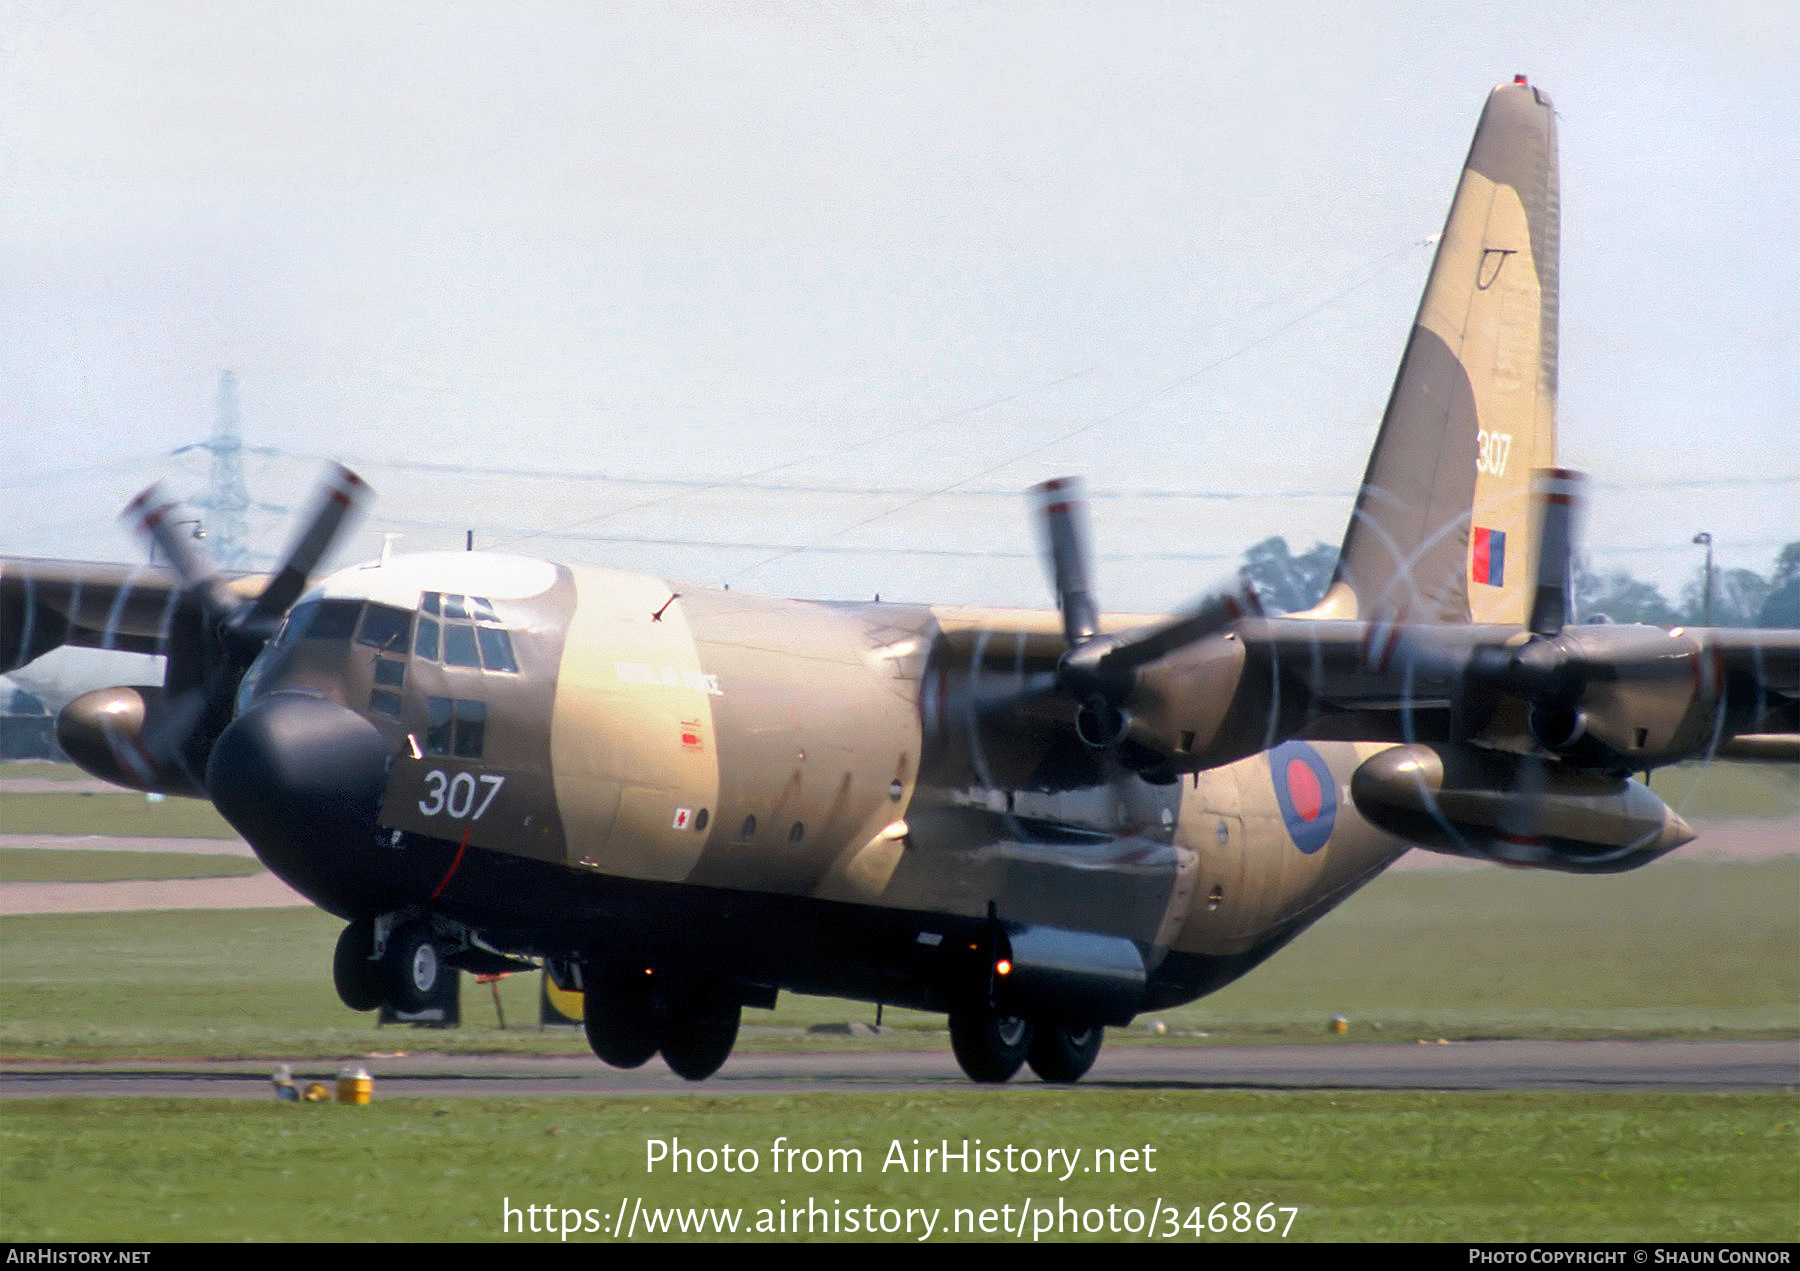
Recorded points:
(412,970)
(353,967)
(621,1027)
(1064,1052)
(696,1043)
(989,1046)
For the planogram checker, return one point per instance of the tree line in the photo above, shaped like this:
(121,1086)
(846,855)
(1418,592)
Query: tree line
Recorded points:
(1740,597)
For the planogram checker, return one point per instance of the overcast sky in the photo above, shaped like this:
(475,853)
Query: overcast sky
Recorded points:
(712,262)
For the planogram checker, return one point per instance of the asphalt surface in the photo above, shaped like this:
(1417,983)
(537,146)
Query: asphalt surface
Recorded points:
(1670,1066)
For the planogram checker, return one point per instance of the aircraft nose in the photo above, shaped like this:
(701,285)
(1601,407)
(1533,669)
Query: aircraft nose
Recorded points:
(301,778)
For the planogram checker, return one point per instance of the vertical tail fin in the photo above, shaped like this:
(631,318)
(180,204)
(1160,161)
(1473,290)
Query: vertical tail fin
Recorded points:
(1441,531)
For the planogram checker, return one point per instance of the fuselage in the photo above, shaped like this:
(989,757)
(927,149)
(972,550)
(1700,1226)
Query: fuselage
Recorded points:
(575,760)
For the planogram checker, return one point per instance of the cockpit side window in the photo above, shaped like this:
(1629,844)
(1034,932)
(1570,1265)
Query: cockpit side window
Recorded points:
(296,622)
(496,649)
(333,620)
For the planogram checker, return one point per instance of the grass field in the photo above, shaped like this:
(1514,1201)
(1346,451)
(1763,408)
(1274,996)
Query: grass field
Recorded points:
(122,815)
(1402,1167)
(1677,950)
(29,865)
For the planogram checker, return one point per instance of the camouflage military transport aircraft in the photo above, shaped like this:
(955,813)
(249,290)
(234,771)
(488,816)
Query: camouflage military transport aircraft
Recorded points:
(684,801)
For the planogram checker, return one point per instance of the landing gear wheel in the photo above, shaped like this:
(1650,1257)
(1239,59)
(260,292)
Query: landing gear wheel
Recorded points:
(989,1046)
(1064,1052)
(411,969)
(696,1043)
(620,1024)
(353,967)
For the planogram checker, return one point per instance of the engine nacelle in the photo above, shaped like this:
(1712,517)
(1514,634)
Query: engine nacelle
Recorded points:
(1489,805)
(103,732)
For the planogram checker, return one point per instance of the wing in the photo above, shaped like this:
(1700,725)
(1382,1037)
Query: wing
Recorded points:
(209,624)
(46,604)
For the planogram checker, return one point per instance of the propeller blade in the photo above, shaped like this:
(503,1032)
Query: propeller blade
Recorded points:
(1557,495)
(149,513)
(1062,537)
(1209,615)
(342,494)
(214,636)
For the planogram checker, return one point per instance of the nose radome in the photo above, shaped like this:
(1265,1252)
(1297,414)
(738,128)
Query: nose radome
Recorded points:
(301,778)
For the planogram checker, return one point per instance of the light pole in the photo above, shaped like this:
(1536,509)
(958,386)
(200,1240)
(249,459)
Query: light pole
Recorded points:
(1705,539)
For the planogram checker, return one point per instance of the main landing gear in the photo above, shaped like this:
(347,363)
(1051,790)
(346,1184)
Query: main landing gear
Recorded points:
(991,1046)
(629,1018)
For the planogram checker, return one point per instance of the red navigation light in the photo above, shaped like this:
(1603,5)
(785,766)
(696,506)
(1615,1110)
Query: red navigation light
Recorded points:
(1003,967)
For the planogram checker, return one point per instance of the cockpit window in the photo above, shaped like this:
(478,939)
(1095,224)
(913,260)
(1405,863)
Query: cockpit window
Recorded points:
(296,622)
(455,726)
(496,649)
(332,620)
(386,628)
(465,631)
(459,646)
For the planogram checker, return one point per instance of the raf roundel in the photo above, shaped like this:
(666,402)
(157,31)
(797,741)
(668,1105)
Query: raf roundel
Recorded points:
(1305,792)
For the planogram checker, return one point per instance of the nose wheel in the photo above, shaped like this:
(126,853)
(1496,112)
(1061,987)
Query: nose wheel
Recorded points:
(354,970)
(411,968)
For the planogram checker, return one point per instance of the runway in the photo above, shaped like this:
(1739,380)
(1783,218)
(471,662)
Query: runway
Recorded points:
(1725,1066)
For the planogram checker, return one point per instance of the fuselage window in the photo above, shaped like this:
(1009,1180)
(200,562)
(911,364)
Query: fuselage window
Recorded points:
(384,702)
(390,673)
(386,628)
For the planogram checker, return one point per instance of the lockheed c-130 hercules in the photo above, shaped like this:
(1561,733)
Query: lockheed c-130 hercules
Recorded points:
(683,801)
